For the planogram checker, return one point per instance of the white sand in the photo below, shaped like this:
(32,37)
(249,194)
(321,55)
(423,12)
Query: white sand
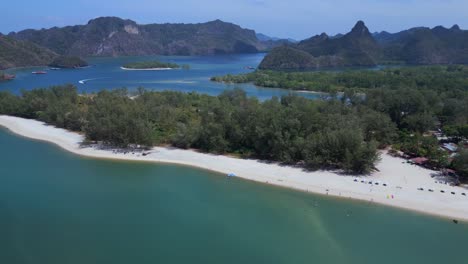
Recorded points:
(403,179)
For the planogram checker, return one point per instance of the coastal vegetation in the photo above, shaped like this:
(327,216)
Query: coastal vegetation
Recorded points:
(460,163)
(435,78)
(151,65)
(68,62)
(292,130)
(416,99)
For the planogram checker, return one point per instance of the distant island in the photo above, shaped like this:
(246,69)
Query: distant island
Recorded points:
(359,47)
(113,36)
(68,62)
(17,53)
(150,65)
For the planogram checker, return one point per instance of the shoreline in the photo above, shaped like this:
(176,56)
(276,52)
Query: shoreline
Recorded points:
(403,179)
(149,69)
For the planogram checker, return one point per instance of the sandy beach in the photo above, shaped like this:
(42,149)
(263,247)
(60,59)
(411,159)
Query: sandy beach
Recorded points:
(402,179)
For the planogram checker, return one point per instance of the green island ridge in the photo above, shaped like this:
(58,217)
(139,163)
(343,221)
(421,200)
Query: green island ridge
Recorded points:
(17,53)
(68,62)
(113,36)
(359,47)
(151,65)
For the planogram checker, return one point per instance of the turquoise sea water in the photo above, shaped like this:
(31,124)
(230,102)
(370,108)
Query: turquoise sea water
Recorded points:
(58,208)
(105,73)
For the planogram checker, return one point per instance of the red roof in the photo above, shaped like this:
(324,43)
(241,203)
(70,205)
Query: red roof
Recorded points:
(420,160)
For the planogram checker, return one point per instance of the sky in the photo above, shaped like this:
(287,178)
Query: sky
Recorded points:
(298,19)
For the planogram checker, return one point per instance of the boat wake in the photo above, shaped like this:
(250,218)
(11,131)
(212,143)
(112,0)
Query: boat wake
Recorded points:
(84,81)
(149,69)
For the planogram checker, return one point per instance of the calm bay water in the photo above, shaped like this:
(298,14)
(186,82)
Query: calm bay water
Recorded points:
(105,73)
(59,208)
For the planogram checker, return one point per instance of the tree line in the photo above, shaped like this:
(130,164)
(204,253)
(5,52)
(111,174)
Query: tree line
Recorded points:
(328,134)
(416,99)
(438,78)
(344,131)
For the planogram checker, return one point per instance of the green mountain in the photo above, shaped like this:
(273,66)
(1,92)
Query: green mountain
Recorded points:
(287,57)
(112,36)
(68,62)
(420,46)
(17,53)
(357,48)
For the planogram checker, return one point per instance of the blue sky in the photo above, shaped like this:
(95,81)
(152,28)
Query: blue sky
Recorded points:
(283,18)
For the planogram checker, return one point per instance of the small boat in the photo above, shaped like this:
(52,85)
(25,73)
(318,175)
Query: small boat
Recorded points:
(54,69)
(39,72)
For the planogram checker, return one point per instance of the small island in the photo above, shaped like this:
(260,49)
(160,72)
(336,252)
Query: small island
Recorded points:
(150,65)
(6,77)
(68,62)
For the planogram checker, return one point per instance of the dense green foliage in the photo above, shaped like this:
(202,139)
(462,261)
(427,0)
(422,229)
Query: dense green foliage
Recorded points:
(150,65)
(68,62)
(16,53)
(420,146)
(460,163)
(292,130)
(416,99)
(437,78)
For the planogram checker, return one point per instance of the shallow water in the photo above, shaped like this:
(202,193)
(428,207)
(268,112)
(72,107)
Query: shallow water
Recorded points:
(56,207)
(105,73)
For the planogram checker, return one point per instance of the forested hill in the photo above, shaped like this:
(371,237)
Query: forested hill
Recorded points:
(423,45)
(113,36)
(361,48)
(17,53)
